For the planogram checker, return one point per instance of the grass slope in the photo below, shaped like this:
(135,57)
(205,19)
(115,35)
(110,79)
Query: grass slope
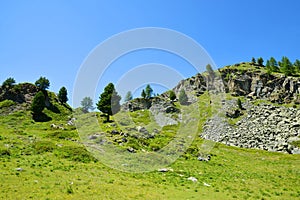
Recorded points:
(55,165)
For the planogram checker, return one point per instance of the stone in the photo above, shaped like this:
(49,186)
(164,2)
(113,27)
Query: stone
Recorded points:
(233,113)
(115,132)
(206,184)
(131,150)
(192,179)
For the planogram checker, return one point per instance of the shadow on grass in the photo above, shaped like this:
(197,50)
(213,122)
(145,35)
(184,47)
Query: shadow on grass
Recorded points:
(67,107)
(41,117)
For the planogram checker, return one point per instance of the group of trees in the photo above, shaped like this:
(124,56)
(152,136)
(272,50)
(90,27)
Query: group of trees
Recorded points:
(147,92)
(38,103)
(259,61)
(8,83)
(284,66)
(182,98)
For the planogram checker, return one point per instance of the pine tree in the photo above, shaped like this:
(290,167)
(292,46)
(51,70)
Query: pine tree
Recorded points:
(143,94)
(211,72)
(273,65)
(63,95)
(8,82)
(42,83)
(286,66)
(183,99)
(38,103)
(128,96)
(87,104)
(260,61)
(297,65)
(148,91)
(109,101)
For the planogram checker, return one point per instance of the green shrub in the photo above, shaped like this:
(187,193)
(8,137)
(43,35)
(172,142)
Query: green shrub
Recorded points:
(239,103)
(38,103)
(183,99)
(172,95)
(5,152)
(78,154)
(43,146)
(6,103)
(63,135)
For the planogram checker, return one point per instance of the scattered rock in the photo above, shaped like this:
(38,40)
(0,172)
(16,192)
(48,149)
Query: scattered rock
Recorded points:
(164,170)
(192,179)
(115,132)
(266,127)
(233,113)
(19,169)
(131,150)
(204,158)
(206,184)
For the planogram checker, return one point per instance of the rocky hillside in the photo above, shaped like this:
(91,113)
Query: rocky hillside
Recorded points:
(20,93)
(19,98)
(267,127)
(245,80)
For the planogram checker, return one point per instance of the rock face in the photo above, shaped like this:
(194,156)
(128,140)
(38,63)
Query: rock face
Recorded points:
(265,127)
(23,92)
(158,104)
(257,84)
(194,86)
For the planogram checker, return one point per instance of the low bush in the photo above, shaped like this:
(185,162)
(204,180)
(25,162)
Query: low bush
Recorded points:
(63,135)
(5,152)
(78,154)
(43,146)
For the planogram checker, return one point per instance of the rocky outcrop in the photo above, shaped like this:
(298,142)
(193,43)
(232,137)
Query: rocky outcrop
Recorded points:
(194,87)
(158,104)
(266,127)
(21,93)
(257,84)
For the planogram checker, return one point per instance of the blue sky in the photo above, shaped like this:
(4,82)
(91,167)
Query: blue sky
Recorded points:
(52,38)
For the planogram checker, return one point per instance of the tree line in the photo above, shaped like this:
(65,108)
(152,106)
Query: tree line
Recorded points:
(284,66)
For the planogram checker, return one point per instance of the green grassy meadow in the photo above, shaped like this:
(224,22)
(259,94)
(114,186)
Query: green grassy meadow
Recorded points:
(39,162)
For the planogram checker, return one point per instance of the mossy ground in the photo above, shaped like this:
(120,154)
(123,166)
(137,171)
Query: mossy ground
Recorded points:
(55,165)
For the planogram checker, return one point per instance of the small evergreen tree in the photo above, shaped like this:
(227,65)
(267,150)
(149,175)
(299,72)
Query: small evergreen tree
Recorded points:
(253,60)
(183,99)
(42,83)
(143,94)
(210,71)
(8,82)
(239,103)
(172,95)
(297,65)
(148,91)
(260,61)
(38,103)
(273,65)
(128,96)
(87,104)
(109,101)
(63,95)
(286,66)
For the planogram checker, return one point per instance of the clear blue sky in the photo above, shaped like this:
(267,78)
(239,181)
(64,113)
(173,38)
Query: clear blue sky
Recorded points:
(53,37)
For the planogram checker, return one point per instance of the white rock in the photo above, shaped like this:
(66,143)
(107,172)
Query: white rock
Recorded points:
(192,179)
